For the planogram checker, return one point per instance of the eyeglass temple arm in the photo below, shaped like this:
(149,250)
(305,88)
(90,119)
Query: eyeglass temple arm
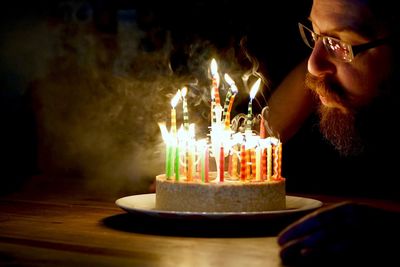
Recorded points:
(359,48)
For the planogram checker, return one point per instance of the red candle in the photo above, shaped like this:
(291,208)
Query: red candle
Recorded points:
(243,161)
(221,164)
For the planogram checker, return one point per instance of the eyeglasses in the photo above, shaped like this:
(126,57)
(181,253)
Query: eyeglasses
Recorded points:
(336,47)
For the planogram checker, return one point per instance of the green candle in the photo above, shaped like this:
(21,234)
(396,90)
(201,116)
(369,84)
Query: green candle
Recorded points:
(176,163)
(168,161)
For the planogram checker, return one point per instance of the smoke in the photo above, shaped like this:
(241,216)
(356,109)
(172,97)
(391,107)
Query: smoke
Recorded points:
(100,96)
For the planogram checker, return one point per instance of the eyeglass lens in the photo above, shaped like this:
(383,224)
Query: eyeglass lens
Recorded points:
(334,47)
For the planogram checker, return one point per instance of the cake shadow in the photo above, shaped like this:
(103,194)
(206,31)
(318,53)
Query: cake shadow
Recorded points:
(221,227)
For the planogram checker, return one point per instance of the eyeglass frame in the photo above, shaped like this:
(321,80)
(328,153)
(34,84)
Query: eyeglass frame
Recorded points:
(353,49)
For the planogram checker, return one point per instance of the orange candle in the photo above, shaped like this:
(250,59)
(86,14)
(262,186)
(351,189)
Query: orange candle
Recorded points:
(253,162)
(263,163)
(243,161)
(262,128)
(269,162)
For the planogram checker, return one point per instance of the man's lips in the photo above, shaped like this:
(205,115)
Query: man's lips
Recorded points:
(331,102)
(326,100)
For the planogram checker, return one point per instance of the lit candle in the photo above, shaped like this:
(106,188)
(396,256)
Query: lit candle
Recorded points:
(174,102)
(185,109)
(230,96)
(185,113)
(215,81)
(253,93)
(216,109)
(168,151)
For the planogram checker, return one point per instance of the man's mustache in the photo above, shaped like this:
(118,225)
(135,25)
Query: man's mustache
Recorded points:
(322,86)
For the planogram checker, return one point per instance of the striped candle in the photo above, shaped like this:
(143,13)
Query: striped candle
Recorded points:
(226,105)
(185,112)
(269,162)
(253,93)
(277,160)
(230,97)
(174,102)
(215,81)
(185,109)
(253,162)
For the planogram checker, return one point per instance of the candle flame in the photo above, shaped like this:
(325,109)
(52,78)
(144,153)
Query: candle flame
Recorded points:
(192,131)
(252,141)
(255,88)
(273,140)
(183,91)
(175,99)
(202,144)
(214,67)
(164,132)
(182,136)
(231,83)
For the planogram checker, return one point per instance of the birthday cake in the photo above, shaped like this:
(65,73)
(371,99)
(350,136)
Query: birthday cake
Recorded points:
(228,196)
(231,171)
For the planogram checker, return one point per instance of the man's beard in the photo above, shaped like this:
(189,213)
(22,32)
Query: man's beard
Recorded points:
(338,125)
(341,131)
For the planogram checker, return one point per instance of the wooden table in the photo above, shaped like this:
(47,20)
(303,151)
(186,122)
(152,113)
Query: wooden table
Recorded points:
(69,229)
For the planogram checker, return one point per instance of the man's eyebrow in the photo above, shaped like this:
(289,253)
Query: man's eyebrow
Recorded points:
(358,28)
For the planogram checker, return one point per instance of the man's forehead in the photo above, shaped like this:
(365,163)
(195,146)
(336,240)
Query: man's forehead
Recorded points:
(340,15)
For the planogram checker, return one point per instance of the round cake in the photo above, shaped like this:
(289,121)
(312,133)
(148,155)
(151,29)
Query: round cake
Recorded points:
(228,196)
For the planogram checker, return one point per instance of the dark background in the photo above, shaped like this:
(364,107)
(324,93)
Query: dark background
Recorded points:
(42,39)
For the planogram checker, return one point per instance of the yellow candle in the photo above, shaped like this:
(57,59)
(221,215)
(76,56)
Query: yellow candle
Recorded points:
(276,161)
(258,163)
(269,161)
(234,164)
(174,102)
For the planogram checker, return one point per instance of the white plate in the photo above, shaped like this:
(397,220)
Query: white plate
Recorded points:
(144,204)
